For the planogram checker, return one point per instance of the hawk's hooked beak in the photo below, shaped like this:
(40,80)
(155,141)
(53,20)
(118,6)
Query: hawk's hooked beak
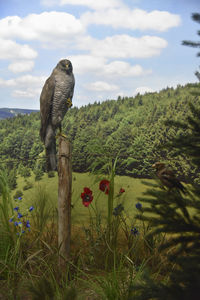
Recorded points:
(67,66)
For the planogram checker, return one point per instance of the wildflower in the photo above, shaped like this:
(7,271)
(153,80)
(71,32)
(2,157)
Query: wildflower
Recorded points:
(134,231)
(19,215)
(20,224)
(31,208)
(16,223)
(87,197)
(11,219)
(121,191)
(16,208)
(19,198)
(138,205)
(20,233)
(104,186)
(118,209)
(28,224)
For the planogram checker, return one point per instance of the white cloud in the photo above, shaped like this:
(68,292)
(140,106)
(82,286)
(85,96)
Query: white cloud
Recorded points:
(30,80)
(83,64)
(11,50)
(21,66)
(60,29)
(124,69)
(7,83)
(101,86)
(27,93)
(49,2)
(143,89)
(47,27)
(104,60)
(96,5)
(132,19)
(28,86)
(124,46)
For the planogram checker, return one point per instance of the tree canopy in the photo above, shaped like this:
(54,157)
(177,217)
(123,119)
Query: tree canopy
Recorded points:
(134,128)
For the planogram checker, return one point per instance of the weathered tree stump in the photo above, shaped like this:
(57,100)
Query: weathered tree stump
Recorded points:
(64,199)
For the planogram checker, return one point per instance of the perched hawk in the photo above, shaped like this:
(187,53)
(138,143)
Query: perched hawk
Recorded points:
(167,176)
(55,99)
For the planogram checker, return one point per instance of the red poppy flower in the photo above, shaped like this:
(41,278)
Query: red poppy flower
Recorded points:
(121,191)
(104,186)
(87,197)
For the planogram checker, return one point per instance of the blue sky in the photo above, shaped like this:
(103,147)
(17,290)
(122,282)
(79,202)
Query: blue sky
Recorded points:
(117,47)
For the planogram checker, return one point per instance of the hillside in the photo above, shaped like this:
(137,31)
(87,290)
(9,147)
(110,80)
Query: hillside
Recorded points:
(12,112)
(132,128)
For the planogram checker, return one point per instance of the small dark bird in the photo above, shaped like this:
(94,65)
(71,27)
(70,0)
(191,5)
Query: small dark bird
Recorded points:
(167,177)
(55,100)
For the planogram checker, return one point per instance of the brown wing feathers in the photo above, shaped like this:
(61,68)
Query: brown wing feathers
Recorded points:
(46,99)
(167,177)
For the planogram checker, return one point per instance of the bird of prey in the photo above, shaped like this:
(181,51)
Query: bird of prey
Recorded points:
(55,99)
(167,177)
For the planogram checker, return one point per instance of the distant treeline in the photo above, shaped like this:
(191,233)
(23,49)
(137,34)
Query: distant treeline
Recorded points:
(132,128)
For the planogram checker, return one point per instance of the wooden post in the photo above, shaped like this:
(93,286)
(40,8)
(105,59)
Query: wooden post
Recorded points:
(64,199)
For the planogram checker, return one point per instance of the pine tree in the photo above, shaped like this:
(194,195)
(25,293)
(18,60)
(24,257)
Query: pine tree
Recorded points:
(196,18)
(177,215)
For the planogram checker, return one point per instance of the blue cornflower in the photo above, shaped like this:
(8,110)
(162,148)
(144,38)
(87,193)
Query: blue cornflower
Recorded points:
(11,219)
(138,205)
(16,223)
(28,224)
(20,233)
(31,208)
(134,231)
(19,198)
(118,209)
(16,208)
(19,215)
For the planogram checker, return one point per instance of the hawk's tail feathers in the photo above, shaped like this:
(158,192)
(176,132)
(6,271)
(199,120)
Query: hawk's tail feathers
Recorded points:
(51,161)
(42,133)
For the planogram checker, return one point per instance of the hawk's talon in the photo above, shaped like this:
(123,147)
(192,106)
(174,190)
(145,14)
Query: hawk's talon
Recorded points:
(69,102)
(61,134)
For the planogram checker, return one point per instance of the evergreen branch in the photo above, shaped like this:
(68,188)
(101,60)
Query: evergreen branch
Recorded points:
(196,17)
(179,240)
(191,44)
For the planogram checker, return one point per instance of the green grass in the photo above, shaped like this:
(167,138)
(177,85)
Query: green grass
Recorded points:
(133,189)
(103,259)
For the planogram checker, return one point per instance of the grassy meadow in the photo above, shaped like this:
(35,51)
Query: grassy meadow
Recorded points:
(134,188)
(98,248)
(109,254)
